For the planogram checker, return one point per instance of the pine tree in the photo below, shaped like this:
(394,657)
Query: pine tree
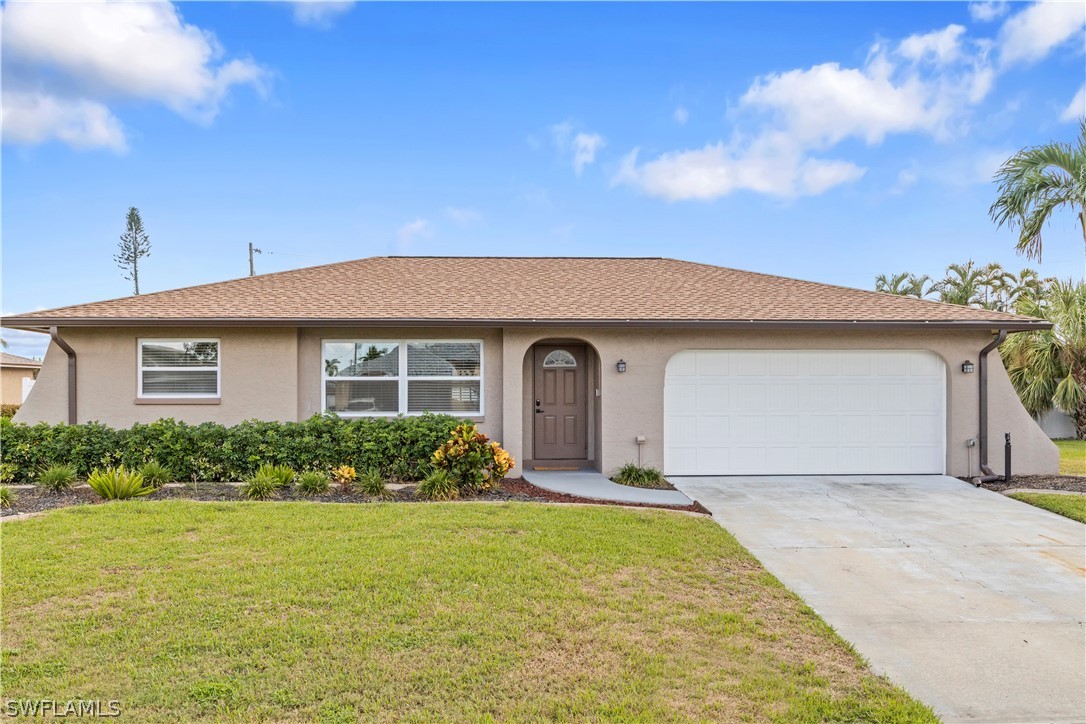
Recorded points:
(134,245)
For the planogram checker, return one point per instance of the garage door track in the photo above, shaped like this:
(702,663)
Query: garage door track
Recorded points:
(975,603)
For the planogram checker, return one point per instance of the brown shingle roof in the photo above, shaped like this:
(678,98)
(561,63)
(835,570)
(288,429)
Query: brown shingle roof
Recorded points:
(517,290)
(14,360)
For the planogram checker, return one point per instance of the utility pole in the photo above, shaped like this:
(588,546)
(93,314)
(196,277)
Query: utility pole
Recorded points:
(252,250)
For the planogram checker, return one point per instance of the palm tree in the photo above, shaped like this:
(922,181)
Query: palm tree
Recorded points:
(922,286)
(1027,284)
(997,283)
(1048,368)
(964,284)
(904,285)
(1037,181)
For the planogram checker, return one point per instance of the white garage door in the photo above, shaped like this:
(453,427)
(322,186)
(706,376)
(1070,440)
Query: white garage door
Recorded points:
(747,412)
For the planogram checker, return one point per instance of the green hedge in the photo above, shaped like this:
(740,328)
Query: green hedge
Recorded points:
(212,452)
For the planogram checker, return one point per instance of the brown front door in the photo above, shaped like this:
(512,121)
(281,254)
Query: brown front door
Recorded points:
(560,403)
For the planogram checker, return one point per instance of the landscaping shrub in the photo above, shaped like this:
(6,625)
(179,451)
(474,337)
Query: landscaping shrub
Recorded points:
(640,477)
(156,475)
(57,478)
(260,487)
(210,452)
(9,410)
(118,484)
(372,482)
(438,485)
(7,497)
(345,476)
(283,475)
(472,459)
(313,483)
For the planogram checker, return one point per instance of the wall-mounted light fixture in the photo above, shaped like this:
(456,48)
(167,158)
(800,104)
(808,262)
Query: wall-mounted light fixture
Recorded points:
(967,367)
(621,366)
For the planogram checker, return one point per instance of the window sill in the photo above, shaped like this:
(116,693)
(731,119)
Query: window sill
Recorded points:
(177,401)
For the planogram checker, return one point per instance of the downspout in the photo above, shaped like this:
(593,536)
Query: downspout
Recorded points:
(55,335)
(986,475)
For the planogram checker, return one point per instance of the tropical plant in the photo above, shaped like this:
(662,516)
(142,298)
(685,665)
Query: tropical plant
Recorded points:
(640,476)
(372,482)
(261,487)
(57,478)
(156,475)
(313,483)
(438,485)
(118,484)
(1048,367)
(7,497)
(964,284)
(472,459)
(904,285)
(345,476)
(283,475)
(1036,182)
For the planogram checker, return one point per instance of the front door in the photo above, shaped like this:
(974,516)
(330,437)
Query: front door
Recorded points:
(560,403)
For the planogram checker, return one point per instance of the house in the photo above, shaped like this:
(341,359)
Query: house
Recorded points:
(595,362)
(16,374)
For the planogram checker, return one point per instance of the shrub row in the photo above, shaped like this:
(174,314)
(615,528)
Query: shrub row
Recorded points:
(398,447)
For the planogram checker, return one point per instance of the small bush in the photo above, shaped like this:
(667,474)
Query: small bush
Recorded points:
(640,477)
(118,484)
(261,487)
(472,459)
(345,476)
(58,478)
(7,472)
(313,483)
(283,475)
(438,485)
(372,482)
(9,411)
(7,497)
(156,475)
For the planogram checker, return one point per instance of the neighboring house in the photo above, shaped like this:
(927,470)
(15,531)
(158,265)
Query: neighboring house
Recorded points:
(697,369)
(16,374)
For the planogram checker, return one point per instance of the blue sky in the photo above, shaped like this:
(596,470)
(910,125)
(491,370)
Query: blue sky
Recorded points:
(824,141)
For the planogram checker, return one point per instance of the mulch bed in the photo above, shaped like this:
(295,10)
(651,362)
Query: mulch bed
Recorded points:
(1073,483)
(36,500)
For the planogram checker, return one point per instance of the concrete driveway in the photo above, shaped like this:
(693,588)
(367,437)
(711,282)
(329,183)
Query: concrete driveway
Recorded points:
(973,602)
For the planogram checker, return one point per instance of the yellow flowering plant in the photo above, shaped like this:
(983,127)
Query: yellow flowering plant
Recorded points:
(473,459)
(345,475)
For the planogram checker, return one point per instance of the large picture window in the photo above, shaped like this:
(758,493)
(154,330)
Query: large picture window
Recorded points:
(390,377)
(179,368)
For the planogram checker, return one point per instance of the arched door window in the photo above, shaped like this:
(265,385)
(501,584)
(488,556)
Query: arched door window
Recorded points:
(559,358)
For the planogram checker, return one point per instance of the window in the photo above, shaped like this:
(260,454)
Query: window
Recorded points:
(559,358)
(373,377)
(178,368)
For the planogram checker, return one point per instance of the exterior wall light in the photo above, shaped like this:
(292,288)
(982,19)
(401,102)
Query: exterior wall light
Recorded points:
(967,367)
(621,366)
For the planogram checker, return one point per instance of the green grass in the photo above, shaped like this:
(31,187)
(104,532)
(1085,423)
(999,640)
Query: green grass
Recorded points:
(1070,506)
(303,612)
(1072,456)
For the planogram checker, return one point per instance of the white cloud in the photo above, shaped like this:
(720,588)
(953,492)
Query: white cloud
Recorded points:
(1076,109)
(581,146)
(75,58)
(25,344)
(681,115)
(906,179)
(320,13)
(409,233)
(30,118)
(463,216)
(984,12)
(939,46)
(1033,33)
(585,146)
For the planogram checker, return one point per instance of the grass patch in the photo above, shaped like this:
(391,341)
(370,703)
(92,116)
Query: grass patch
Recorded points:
(1069,506)
(1072,456)
(299,611)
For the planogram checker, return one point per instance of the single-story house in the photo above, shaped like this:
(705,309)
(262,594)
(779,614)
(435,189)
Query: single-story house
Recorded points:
(14,373)
(595,362)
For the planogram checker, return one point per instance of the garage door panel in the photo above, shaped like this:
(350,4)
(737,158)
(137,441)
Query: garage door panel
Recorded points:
(755,412)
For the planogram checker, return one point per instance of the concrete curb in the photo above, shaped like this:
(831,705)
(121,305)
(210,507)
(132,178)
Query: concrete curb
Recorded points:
(1041,491)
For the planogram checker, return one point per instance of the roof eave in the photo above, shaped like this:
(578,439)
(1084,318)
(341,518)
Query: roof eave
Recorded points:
(43,323)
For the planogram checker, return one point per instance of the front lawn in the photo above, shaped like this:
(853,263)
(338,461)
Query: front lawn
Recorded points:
(1072,456)
(1070,506)
(298,611)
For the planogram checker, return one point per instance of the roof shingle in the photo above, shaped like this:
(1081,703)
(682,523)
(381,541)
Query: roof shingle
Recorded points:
(516,290)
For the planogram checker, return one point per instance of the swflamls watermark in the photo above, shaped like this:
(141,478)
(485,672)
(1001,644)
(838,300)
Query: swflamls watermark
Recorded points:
(61,707)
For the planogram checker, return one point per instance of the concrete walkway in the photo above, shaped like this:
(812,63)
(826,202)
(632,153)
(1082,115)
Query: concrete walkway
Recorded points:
(590,484)
(974,602)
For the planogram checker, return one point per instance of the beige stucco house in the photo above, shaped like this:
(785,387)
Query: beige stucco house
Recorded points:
(597,362)
(14,370)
